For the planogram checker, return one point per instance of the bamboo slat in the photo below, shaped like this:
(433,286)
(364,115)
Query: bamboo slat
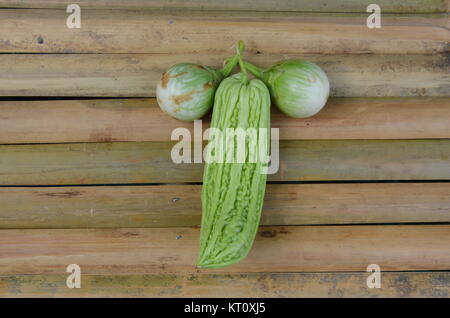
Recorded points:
(62,121)
(141,31)
(180,206)
(136,75)
(405,6)
(150,162)
(393,284)
(276,249)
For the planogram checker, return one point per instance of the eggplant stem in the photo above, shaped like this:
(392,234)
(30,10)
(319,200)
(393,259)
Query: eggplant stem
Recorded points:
(258,72)
(230,63)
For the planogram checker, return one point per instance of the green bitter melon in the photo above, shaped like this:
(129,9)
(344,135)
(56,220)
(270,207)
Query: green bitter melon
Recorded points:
(233,193)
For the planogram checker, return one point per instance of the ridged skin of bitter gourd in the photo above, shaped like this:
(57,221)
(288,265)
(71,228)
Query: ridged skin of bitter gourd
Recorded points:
(233,193)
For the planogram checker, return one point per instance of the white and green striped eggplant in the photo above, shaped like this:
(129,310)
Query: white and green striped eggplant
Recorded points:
(298,88)
(186,90)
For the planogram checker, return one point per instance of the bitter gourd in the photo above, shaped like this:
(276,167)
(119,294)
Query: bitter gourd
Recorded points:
(233,193)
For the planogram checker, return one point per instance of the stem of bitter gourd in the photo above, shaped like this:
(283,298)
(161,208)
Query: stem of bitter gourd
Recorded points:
(240,50)
(231,62)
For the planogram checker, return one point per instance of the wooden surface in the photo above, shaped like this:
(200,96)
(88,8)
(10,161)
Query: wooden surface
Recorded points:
(90,181)
(394,284)
(113,31)
(276,249)
(136,75)
(150,162)
(142,120)
(405,6)
(179,205)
